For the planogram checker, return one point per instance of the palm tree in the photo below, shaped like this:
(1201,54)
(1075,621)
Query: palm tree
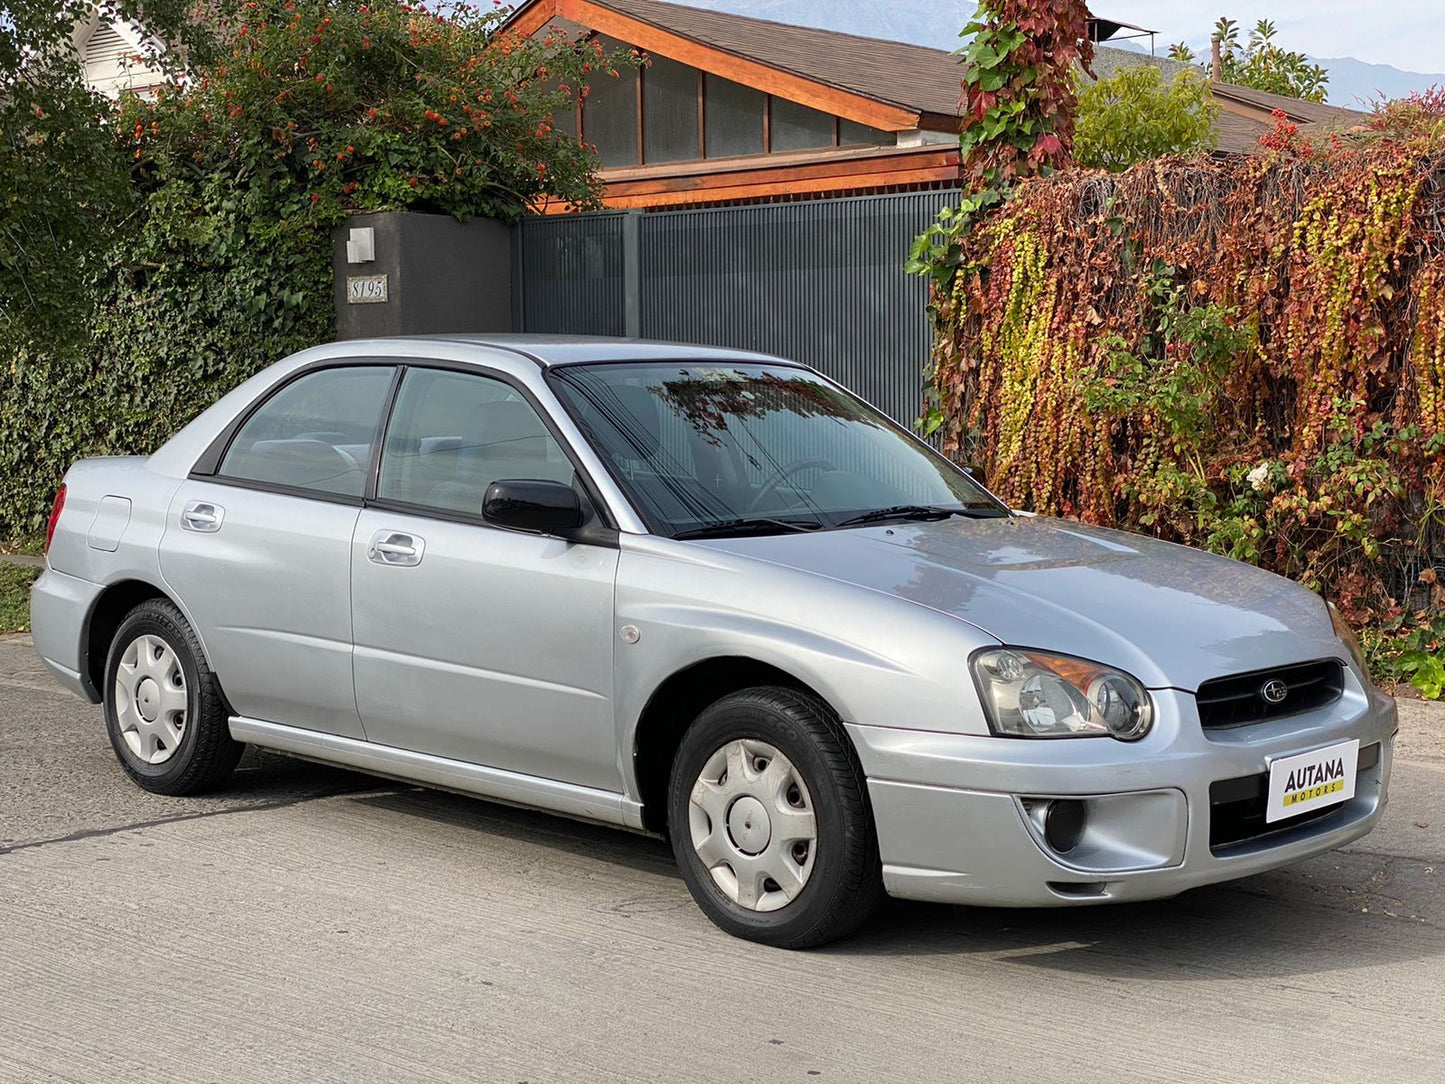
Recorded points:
(1181,52)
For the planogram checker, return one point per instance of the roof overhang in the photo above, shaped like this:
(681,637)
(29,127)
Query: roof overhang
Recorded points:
(805,173)
(532,16)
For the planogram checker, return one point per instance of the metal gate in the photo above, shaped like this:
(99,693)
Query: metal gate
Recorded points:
(820,281)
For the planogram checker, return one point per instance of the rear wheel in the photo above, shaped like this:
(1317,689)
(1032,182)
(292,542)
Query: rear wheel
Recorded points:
(164,712)
(769,819)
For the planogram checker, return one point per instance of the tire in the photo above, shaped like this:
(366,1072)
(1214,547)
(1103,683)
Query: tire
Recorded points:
(183,701)
(762,879)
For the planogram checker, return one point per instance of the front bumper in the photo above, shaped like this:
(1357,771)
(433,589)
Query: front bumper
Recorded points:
(954,822)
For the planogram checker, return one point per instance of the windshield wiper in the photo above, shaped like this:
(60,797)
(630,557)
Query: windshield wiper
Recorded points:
(735,528)
(919,512)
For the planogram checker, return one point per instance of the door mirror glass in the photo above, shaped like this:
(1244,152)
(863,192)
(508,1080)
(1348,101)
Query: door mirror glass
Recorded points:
(532,505)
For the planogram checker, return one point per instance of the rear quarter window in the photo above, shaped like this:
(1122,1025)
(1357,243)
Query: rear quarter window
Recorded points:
(317,432)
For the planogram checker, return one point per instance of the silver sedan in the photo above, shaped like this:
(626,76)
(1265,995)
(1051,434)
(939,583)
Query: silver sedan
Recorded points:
(708,594)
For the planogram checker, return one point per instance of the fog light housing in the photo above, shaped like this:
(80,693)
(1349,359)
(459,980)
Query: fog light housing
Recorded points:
(1064,822)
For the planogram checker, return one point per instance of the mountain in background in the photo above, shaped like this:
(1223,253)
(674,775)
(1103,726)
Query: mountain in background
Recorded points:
(936,23)
(1354,83)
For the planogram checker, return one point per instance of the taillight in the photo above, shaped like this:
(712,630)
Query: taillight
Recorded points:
(54,516)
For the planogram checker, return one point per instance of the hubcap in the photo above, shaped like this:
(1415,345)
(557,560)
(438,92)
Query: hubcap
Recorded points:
(147,699)
(150,699)
(751,821)
(748,825)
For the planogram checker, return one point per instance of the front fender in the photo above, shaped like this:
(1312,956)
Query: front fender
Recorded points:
(876,659)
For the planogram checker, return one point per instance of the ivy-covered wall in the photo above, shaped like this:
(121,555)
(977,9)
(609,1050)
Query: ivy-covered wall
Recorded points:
(1245,355)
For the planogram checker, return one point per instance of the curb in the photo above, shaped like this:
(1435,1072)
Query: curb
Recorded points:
(22,559)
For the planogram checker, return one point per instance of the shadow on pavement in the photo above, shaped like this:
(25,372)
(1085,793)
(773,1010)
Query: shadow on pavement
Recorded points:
(1263,926)
(1269,925)
(601,842)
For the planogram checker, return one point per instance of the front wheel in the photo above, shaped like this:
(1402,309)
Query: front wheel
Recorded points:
(164,711)
(770,824)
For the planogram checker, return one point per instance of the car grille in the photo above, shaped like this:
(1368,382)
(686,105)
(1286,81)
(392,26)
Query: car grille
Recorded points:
(1239,700)
(1236,807)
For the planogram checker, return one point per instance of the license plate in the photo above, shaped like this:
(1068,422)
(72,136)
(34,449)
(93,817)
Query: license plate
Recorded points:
(1309,781)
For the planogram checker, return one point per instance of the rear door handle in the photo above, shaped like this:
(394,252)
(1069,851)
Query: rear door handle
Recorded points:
(202,517)
(395,548)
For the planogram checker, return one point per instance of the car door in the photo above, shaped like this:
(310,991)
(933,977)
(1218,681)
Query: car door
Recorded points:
(472,642)
(259,549)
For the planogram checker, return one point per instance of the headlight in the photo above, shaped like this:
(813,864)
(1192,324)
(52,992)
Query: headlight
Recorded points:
(1028,694)
(1348,638)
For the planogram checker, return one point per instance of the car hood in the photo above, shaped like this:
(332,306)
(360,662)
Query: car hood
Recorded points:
(1169,615)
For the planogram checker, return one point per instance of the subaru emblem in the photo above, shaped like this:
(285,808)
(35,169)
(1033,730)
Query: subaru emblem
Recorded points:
(1274,691)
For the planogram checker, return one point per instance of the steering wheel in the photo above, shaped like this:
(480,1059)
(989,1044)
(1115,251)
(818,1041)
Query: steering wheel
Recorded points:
(797,466)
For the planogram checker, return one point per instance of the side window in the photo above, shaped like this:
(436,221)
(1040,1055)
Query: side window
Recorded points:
(454,434)
(315,433)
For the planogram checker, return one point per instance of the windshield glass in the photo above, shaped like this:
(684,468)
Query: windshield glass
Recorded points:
(715,449)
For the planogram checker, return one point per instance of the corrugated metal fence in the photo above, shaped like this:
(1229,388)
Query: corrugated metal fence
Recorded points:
(821,281)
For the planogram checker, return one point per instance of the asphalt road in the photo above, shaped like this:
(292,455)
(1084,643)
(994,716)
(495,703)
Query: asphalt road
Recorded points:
(315,925)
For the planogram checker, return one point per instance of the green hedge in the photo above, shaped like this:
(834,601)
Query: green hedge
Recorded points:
(167,343)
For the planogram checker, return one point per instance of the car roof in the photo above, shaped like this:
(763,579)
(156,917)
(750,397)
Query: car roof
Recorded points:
(549,350)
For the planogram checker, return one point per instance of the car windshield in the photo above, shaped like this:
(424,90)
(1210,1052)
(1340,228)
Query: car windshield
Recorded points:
(716,449)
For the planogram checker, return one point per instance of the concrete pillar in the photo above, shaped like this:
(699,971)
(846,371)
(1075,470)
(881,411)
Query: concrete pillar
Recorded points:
(428,274)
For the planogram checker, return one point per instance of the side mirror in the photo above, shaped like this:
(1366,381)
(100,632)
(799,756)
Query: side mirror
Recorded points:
(532,505)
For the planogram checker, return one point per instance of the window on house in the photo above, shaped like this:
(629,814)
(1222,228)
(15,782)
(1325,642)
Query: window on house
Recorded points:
(733,118)
(669,111)
(851,133)
(796,127)
(609,116)
(737,120)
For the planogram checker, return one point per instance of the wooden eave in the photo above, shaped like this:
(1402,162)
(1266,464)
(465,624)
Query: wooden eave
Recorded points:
(754,178)
(886,116)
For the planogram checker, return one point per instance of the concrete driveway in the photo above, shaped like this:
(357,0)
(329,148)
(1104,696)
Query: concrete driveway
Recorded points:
(316,925)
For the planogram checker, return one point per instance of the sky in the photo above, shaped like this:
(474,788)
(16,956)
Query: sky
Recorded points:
(1409,34)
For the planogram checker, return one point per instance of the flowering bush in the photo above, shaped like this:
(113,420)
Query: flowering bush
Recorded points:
(322,108)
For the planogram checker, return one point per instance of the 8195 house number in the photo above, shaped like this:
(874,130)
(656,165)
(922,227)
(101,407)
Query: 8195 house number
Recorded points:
(365,289)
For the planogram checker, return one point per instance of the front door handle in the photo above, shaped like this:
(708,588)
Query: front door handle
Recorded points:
(202,517)
(395,548)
